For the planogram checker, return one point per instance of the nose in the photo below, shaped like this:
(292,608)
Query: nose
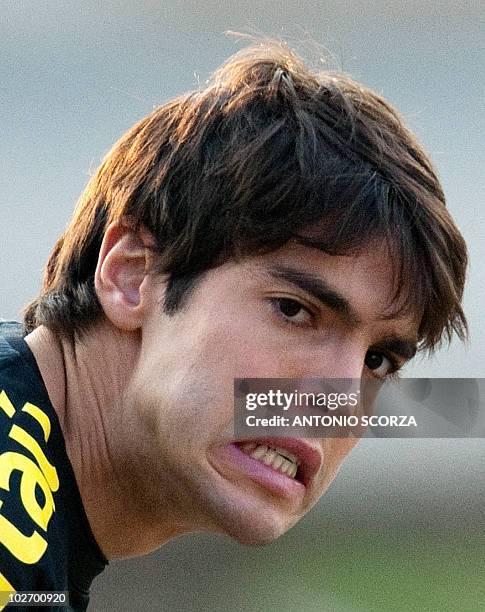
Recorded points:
(335,367)
(344,360)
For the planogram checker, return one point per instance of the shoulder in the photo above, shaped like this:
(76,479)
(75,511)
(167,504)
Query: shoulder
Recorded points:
(30,543)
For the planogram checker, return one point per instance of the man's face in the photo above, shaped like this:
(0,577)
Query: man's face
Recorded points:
(293,313)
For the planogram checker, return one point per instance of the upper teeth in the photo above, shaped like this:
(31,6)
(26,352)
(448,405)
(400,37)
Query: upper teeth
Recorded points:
(277,458)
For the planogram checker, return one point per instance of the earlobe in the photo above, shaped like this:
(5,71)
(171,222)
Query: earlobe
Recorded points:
(123,264)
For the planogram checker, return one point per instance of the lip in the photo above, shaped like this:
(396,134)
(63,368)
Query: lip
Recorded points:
(309,458)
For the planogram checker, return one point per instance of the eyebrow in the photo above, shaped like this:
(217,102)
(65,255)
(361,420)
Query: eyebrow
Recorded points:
(318,288)
(327,295)
(403,347)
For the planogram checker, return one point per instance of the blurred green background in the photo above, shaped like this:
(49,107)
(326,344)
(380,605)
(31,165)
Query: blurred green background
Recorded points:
(402,527)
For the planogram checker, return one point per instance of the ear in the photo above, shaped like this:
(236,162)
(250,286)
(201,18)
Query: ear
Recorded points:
(124,262)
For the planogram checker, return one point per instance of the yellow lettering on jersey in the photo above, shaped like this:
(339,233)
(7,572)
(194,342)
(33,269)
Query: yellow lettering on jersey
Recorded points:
(40,416)
(5,590)
(31,477)
(27,549)
(6,405)
(27,441)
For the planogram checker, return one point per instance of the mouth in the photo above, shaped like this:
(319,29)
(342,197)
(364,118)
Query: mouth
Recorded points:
(285,466)
(274,457)
(293,457)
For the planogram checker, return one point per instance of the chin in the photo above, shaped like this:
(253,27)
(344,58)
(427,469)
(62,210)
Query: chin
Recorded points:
(253,541)
(257,532)
(246,512)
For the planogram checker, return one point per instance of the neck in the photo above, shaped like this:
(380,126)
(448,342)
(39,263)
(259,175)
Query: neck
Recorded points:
(87,390)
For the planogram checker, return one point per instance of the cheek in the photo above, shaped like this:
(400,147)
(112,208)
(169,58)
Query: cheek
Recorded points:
(233,349)
(259,352)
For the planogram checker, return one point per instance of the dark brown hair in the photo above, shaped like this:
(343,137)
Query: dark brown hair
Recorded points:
(269,151)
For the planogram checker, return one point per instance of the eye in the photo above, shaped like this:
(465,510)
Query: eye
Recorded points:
(380,365)
(291,311)
(290,308)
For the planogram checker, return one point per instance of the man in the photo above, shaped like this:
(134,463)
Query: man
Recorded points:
(278,223)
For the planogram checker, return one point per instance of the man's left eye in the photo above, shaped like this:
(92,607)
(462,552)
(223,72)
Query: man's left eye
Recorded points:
(380,365)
